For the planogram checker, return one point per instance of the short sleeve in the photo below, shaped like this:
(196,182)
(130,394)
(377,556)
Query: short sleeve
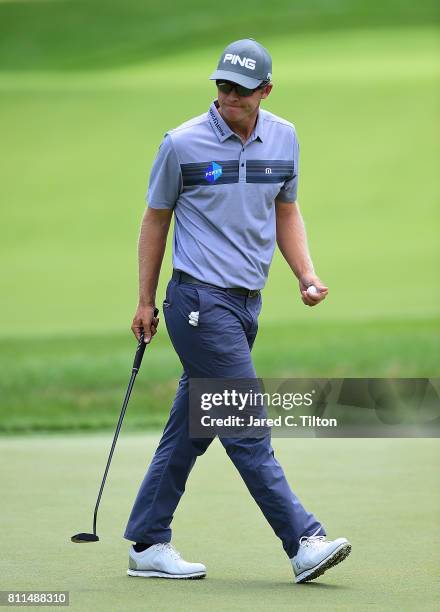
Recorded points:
(289,191)
(165,184)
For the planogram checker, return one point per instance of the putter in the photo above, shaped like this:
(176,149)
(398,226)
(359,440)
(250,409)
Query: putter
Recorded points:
(81,538)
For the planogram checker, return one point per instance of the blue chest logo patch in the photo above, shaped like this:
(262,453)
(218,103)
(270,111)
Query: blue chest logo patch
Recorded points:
(213,172)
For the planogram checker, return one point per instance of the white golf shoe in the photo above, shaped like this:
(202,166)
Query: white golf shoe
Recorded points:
(162,561)
(316,555)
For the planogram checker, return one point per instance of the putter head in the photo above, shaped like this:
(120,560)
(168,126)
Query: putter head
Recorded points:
(81,538)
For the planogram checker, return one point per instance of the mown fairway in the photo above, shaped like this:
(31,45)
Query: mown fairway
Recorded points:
(78,383)
(381,494)
(77,147)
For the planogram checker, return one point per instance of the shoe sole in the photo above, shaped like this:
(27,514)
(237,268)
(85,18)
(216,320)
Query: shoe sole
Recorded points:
(336,557)
(154,574)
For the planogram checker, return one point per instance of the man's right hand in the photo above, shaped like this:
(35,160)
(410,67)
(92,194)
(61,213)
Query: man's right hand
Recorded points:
(145,321)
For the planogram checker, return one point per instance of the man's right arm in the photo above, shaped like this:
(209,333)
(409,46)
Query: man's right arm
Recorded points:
(151,248)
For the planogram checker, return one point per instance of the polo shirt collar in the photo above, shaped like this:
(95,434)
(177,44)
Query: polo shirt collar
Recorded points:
(219,125)
(222,129)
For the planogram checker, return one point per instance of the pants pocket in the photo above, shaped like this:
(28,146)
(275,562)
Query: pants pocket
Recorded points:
(187,300)
(168,299)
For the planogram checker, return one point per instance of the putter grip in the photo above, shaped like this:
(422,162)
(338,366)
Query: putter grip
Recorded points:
(141,349)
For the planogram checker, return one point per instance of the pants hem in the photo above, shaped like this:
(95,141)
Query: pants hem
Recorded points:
(146,540)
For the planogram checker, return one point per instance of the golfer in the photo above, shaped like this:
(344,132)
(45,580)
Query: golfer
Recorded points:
(230,177)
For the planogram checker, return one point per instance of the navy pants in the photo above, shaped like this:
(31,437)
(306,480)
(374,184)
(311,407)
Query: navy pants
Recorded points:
(219,347)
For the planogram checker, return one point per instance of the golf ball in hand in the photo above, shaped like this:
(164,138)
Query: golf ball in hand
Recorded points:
(312,290)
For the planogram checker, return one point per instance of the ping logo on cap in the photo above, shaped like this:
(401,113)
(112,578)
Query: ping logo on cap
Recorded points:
(213,172)
(247,62)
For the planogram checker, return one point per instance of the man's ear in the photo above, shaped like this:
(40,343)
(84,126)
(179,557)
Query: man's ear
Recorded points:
(266,91)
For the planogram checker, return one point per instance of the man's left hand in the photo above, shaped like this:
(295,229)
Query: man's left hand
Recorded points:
(306,281)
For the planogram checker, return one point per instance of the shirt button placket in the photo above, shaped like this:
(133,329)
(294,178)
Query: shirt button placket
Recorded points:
(242,165)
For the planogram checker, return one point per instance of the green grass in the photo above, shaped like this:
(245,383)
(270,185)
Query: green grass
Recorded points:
(87,90)
(59,35)
(381,494)
(79,383)
(77,151)
(79,133)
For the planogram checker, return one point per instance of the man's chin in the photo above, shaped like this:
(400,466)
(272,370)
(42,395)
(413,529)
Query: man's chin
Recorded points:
(232,112)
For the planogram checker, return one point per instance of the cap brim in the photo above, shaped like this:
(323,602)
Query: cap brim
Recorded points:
(235,77)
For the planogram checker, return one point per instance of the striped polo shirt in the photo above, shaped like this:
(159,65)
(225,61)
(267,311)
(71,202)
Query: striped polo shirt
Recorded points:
(223,195)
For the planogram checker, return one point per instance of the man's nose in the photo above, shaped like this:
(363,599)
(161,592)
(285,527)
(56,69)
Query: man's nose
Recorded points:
(233,96)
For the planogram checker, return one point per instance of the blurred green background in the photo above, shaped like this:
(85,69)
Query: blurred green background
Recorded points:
(87,90)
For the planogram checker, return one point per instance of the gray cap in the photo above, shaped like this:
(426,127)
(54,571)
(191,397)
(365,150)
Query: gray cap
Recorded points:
(245,62)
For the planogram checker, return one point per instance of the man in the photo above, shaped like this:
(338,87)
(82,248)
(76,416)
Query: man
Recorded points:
(230,177)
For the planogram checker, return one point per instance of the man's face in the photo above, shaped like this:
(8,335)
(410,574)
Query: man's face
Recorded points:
(235,108)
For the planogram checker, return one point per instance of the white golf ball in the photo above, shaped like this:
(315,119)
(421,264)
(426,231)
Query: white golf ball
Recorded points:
(312,290)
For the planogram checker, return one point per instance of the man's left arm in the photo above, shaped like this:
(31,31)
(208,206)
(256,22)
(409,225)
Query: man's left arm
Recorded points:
(292,242)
